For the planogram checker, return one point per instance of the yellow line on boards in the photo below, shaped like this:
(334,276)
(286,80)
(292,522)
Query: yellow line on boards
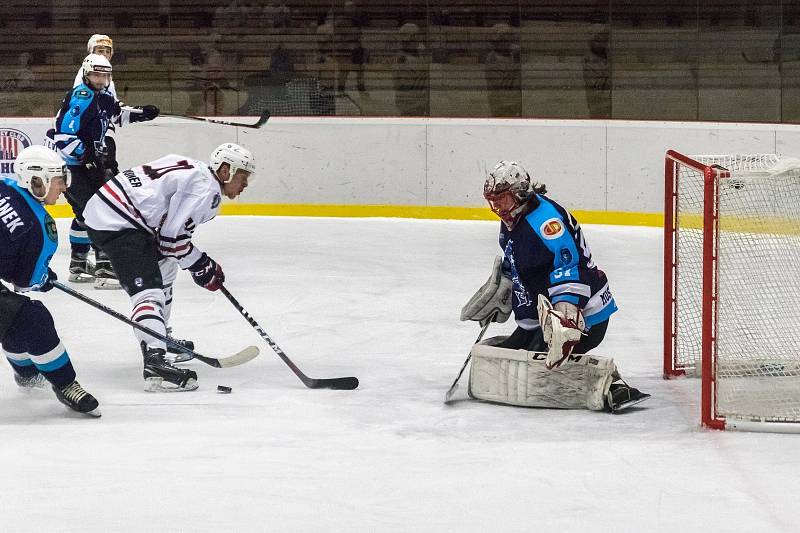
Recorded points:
(403,211)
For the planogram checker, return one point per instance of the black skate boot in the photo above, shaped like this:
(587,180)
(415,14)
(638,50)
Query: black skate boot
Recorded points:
(104,275)
(180,356)
(77,399)
(161,376)
(80,270)
(34,381)
(621,396)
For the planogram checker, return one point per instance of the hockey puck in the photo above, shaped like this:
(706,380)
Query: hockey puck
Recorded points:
(223,389)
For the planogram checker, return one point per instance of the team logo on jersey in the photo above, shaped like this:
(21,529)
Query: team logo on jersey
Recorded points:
(215,201)
(12,143)
(82,93)
(551,228)
(566,256)
(50,228)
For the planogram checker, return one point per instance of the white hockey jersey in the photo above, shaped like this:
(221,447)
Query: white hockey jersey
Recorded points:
(168,198)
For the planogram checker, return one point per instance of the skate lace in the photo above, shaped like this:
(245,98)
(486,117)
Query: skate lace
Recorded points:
(73,392)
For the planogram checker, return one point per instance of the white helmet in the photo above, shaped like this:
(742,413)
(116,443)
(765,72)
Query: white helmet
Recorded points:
(96,63)
(508,187)
(236,156)
(98,39)
(40,162)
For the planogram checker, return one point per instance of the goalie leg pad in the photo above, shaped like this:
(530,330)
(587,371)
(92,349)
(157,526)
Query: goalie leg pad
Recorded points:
(520,377)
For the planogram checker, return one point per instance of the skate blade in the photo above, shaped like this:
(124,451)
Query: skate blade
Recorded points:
(626,405)
(80,277)
(106,284)
(156,384)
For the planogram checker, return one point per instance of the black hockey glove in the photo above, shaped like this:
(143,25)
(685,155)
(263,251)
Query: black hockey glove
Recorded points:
(147,112)
(48,283)
(207,273)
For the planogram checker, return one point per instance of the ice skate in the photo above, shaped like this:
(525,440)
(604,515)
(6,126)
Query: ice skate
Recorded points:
(621,396)
(76,398)
(104,275)
(161,376)
(80,269)
(179,355)
(36,381)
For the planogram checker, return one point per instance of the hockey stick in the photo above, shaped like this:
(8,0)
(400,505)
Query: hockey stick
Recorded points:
(452,390)
(261,120)
(348,383)
(223,362)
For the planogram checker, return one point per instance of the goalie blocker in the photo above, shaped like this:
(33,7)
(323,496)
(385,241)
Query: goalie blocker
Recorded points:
(520,377)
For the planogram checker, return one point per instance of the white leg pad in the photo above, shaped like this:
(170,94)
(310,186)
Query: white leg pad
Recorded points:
(519,377)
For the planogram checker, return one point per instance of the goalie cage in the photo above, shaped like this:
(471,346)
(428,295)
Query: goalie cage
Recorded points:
(731,286)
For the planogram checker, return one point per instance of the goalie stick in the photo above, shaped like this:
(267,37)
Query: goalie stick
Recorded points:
(222,362)
(452,390)
(261,120)
(347,383)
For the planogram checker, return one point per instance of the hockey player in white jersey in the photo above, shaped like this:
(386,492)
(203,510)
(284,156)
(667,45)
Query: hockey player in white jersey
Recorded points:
(144,218)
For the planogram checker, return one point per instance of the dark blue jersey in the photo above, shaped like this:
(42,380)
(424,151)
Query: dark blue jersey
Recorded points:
(28,237)
(82,123)
(547,254)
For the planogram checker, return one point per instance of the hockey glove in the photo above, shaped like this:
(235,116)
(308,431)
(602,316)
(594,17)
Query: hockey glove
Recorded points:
(207,273)
(562,328)
(494,296)
(145,113)
(48,282)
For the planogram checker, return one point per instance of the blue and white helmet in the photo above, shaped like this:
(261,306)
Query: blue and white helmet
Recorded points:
(237,158)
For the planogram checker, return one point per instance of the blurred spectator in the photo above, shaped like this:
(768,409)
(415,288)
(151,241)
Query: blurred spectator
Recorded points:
(351,53)
(503,73)
(16,92)
(207,79)
(411,73)
(597,76)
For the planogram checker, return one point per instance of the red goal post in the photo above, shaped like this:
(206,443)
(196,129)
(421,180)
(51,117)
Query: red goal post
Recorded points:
(732,286)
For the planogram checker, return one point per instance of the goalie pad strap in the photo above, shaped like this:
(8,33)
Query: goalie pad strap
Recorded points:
(519,377)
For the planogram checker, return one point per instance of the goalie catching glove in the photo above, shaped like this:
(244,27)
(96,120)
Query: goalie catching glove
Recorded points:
(492,302)
(562,328)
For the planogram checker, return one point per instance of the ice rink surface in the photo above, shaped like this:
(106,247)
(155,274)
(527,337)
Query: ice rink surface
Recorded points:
(378,299)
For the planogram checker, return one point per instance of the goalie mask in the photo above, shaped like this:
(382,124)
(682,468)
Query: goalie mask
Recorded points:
(37,165)
(237,158)
(508,189)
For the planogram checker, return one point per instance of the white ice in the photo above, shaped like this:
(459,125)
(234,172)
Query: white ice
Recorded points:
(378,299)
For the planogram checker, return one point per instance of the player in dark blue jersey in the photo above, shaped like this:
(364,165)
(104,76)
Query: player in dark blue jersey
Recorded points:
(28,240)
(561,301)
(81,125)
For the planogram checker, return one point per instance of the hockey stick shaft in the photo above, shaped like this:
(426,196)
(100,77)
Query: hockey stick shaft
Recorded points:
(261,120)
(346,383)
(213,361)
(454,386)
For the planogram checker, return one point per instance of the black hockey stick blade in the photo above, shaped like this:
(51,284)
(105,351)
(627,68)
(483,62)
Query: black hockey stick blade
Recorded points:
(261,120)
(236,359)
(346,383)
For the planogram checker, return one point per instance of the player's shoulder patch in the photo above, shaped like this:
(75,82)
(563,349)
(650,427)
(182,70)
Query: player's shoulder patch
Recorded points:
(216,201)
(50,227)
(81,94)
(552,228)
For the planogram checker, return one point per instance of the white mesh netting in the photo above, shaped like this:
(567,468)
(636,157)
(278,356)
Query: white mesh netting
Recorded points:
(758,248)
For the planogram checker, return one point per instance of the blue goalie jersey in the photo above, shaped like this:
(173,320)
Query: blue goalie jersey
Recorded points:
(547,254)
(28,237)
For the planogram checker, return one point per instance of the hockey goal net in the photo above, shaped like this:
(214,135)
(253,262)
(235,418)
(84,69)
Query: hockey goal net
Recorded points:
(731,292)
